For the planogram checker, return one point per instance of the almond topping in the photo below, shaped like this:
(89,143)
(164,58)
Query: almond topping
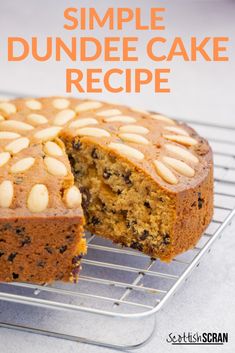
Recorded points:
(7,108)
(165,173)
(38,198)
(73,197)
(183,140)
(22,165)
(140,111)
(55,167)
(64,117)
(162,118)
(82,107)
(179,166)
(92,131)
(138,129)
(15,125)
(181,153)
(134,138)
(109,112)
(33,104)
(1,118)
(53,149)
(8,135)
(177,130)
(126,150)
(37,119)
(61,103)
(48,133)
(6,193)
(121,119)
(17,145)
(4,158)
(83,122)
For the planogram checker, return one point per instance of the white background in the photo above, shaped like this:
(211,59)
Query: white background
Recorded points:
(200,91)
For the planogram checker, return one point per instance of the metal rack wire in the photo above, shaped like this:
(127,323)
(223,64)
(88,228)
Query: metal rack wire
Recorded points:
(121,290)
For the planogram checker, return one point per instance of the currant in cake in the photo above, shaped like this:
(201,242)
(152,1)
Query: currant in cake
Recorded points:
(146,182)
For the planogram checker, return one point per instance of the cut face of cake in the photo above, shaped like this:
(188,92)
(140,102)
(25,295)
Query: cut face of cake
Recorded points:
(146,182)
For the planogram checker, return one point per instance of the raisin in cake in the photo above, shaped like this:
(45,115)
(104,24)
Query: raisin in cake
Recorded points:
(146,182)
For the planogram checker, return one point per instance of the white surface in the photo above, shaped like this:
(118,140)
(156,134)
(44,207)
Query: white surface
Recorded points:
(202,91)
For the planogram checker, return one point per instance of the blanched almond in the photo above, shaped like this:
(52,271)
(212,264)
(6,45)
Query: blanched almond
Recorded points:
(37,119)
(6,194)
(61,103)
(165,173)
(1,118)
(73,197)
(134,138)
(55,167)
(83,122)
(7,135)
(92,131)
(64,117)
(22,165)
(17,145)
(177,130)
(183,140)
(138,129)
(141,111)
(15,125)
(48,133)
(181,153)
(33,104)
(162,118)
(179,166)
(4,158)
(53,149)
(7,108)
(121,119)
(82,107)
(38,198)
(126,150)
(109,112)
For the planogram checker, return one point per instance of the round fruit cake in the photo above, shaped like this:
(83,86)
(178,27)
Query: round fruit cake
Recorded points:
(146,182)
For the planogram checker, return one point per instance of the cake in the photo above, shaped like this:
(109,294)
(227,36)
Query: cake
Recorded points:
(146,182)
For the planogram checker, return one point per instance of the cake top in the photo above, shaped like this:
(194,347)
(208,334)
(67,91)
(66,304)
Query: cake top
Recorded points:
(34,169)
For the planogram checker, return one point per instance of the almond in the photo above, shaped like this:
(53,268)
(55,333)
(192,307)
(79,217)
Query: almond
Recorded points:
(134,138)
(48,133)
(55,167)
(6,194)
(183,140)
(38,198)
(37,119)
(33,104)
(1,118)
(179,166)
(92,131)
(165,173)
(121,119)
(83,122)
(177,130)
(53,149)
(88,106)
(17,145)
(140,111)
(73,197)
(181,153)
(7,108)
(138,129)
(64,117)
(15,125)
(126,150)
(4,158)
(60,103)
(6,135)
(22,165)
(162,118)
(109,112)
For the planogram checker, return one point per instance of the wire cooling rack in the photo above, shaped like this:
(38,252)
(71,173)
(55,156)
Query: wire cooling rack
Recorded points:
(120,290)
